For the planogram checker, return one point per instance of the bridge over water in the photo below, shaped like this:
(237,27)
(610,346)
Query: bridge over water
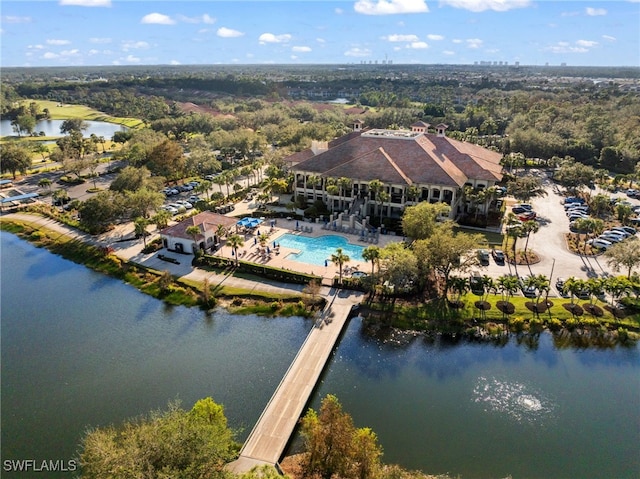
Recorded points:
(268,439)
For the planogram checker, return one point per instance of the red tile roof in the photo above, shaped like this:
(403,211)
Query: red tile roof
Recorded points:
(206,221)
(417,158)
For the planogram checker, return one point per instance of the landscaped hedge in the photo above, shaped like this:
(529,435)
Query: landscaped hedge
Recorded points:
(269,272)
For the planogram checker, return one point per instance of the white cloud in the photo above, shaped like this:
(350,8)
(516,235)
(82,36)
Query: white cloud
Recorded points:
(401,38)
(99,40)
(301,49)
(474,42)
(225,32)
(58,42)
(174,62)
(50,56)
(586,43)
(566,47)
(321,40)
(15,19)
(609,37)
(87,3)
(271,38)
(339,11)
(133,45)
(435,38)
(448,52)
(357,52)
(132,59)
(205,18)
(157,19)
(595,12)
(35,47)
(456,40)
(482,5)
(418,45)
(390,7)
(70,53)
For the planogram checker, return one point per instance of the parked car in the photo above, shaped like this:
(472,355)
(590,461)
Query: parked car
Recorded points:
(193,199)
(170,209)
(498,256)
(577,216)
(185,204)
(475,284)
(575,207)
(573,199)
(483,257)
(518,210)
(611,238)
(632,192)
(527,291)
(525,206)
(616,232)
(560,286)
(527,216)
(626,229)
(599,243)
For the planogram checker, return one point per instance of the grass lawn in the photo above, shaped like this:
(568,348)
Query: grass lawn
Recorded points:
(60,111)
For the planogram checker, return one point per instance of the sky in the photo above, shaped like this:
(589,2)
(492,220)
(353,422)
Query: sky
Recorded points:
(171,32)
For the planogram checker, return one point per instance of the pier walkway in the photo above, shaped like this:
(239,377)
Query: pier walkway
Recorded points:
(267,441)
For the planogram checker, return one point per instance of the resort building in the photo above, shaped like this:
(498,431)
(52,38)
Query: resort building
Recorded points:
(411,166)
(211,225)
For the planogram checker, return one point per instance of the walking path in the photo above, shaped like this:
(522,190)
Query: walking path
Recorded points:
(268,439)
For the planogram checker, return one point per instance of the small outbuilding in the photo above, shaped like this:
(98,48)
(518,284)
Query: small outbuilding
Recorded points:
(212,226)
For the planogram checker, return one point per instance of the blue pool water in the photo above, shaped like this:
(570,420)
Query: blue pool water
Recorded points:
(317,250)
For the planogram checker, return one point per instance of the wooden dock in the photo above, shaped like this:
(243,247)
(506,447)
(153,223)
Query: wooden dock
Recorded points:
(267,441)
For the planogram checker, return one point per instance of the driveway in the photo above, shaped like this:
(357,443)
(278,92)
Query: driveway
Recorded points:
(549,242)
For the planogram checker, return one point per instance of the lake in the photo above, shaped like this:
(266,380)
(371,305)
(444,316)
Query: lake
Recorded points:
(80,349)
(52,128)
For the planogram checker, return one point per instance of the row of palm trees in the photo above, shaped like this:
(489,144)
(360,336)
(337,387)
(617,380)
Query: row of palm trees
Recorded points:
(508,285)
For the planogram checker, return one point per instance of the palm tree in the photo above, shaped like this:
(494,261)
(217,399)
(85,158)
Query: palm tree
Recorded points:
(140,227)
(372,253)
(382,197)
(332,189)
(375,187)
(235,241)
(339,258)
(458,286)
(161,219)
(45,183)
(220,232)
(343,184)
(194,232)
(574,286)
(528,227)
(508,285)
(314,181)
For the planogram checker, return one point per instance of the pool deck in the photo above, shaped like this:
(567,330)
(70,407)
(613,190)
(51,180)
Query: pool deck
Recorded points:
(249,251)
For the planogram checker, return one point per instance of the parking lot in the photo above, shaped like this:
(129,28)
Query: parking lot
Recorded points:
(550,245)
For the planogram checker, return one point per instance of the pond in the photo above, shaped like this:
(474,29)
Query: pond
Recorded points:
(80,349)
(52,128)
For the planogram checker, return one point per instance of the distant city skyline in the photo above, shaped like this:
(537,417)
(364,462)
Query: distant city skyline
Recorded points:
(168,32)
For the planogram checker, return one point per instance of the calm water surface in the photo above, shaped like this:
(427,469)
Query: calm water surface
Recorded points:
(81,349)
(52,128)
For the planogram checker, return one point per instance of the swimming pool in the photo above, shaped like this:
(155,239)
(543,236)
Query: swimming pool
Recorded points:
(317,250)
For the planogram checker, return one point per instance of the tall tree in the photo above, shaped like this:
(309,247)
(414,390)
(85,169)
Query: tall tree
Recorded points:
(235,241)
(339,258)
(172,443)
(526,187)
(335,447)
(372,254)
(421,220)
(14,157)
(624,254)
(167,159)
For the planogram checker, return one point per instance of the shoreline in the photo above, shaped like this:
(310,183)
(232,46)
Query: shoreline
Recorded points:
(247,296)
